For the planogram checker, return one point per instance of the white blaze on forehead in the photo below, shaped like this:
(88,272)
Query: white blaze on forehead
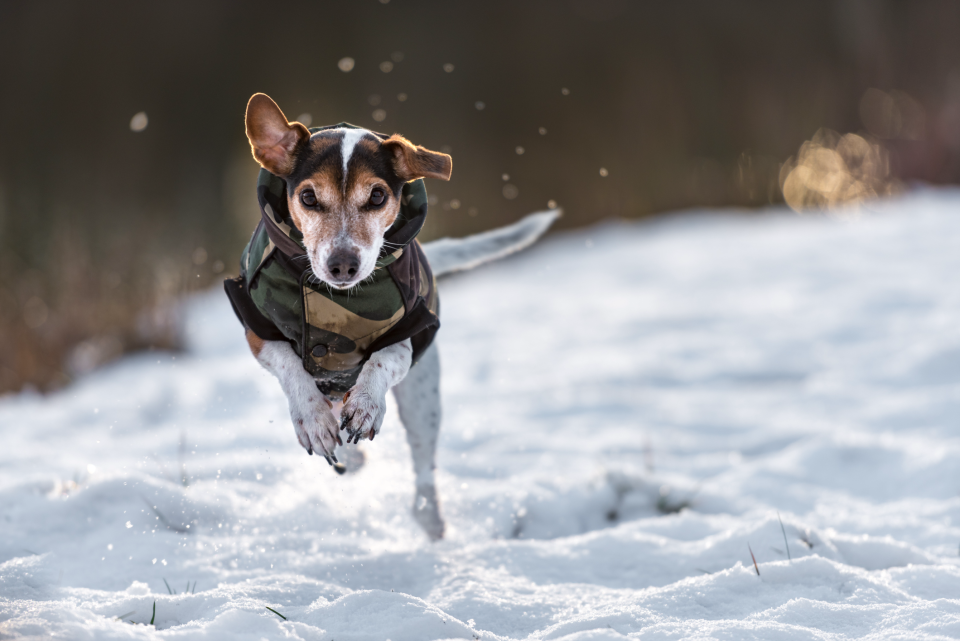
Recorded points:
(350,139)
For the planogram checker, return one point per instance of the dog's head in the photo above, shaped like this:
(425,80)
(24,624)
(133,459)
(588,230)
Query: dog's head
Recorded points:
(343,186)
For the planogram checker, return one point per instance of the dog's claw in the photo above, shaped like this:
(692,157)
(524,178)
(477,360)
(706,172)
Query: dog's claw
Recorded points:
(344,421)
(310,451)
(372,434)
(339,468)
(328,460)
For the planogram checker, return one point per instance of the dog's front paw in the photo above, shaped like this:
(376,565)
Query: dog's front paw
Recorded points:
(316,427)
(362,414)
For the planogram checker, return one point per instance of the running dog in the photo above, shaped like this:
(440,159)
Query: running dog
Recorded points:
(337,296)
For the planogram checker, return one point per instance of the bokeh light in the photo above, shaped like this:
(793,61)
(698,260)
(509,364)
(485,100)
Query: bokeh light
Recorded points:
(832,169)
(139,121)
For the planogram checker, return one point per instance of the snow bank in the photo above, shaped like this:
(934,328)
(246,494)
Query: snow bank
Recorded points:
(627,409)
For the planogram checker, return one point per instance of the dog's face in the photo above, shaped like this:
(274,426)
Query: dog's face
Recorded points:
(343,186)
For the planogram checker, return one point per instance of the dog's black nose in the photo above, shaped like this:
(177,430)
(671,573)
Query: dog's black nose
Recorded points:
(343,264)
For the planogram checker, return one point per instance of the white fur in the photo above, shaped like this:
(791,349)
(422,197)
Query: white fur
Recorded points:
(349,142)
(418,403)
(367,402)
(313,419)
(448,255)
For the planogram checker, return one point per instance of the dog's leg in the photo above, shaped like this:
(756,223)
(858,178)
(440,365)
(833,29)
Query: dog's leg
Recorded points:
(418,400)
(313,420)
(366,402)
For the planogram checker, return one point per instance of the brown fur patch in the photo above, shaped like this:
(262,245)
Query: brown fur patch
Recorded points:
(255,343)
(273,140)
(412,162)
(318,223)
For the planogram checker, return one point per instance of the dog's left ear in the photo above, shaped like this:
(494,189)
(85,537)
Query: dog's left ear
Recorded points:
(274,141)
(412,162)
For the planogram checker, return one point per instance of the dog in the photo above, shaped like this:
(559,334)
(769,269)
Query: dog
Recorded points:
(337,296)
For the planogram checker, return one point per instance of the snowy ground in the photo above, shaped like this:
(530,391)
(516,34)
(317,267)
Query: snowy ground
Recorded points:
(732,366)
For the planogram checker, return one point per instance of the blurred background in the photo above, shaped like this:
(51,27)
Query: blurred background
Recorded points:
(126,181)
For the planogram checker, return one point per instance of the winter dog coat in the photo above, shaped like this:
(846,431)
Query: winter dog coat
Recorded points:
(334,332)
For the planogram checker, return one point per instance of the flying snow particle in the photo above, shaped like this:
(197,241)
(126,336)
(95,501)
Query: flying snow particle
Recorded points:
(128,525)
(91,468)
(139,121)
(551,204)
(505,177)
(346,64)
(565,91)
(305,119)
(448,68)
(543,131)
(386,66)
(604,172)
(454,204)
(520,150)
(379,115)
(510,191)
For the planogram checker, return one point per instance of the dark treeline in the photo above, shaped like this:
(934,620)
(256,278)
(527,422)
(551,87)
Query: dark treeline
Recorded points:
(608,108)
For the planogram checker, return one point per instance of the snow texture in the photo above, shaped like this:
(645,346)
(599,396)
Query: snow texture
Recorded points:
(627,409)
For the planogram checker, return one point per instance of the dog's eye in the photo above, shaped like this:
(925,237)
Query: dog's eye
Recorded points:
(377,196)
(308,198)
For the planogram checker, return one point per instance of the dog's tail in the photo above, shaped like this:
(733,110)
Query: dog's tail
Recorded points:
(448,255)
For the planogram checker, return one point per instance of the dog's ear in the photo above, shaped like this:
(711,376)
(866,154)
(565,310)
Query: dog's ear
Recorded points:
(274,140)
(412,162)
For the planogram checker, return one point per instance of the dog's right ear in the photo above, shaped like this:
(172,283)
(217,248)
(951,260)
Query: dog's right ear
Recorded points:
(274,140)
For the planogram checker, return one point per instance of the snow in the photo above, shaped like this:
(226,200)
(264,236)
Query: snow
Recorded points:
(732,369)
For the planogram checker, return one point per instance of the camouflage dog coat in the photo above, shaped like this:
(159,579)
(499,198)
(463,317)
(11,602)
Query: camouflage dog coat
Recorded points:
(334,332)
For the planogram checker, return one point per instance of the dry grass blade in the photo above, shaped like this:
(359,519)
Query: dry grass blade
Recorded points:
(755,566)
(789,558)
